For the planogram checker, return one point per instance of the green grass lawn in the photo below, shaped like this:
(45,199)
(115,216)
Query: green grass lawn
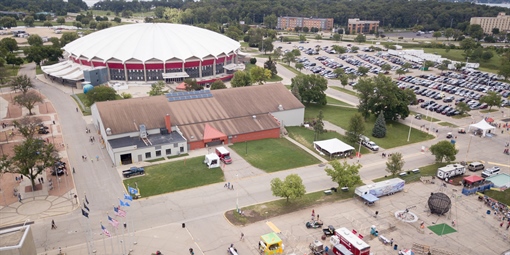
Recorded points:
(424,117)
(290,68)
(174,176)
(346,91)
(488,111)
(11,70)
(429,170)
(273,155)
(38,70)
(447,124)
(457,55)
(501,196)
(306,136)
(396,133)
(334,101)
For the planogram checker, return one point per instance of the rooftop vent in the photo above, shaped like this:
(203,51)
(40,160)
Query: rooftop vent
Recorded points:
(108,131)
(280,107)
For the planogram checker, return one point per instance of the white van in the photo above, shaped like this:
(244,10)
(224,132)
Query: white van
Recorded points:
(475,166)
(490,172)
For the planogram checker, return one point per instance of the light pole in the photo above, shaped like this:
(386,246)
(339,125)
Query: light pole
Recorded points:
(237,194)
(410,127)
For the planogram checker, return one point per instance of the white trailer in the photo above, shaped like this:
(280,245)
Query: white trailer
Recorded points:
(212,160)
(380,189)
(450,171)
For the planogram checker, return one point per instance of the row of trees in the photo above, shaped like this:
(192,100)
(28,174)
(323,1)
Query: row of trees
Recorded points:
(59,7)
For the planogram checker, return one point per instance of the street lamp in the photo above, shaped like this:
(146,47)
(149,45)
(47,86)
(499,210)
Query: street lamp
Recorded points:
(410,127)
(237,194)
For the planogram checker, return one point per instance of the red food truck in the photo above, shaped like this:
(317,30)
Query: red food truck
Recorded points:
(352,242)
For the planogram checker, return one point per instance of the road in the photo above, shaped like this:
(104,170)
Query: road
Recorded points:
(103,186)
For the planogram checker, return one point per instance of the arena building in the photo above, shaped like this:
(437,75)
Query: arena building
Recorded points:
(147,52)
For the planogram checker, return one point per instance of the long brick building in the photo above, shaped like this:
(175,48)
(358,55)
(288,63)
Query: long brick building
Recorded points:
(293,22)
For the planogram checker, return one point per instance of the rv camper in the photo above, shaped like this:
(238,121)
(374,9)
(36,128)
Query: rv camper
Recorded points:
(450,171)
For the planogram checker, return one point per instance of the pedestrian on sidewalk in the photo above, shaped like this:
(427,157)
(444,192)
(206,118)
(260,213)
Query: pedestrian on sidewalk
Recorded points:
(76,109)
(53,225)
(19,199)
(97,158)
(242,237)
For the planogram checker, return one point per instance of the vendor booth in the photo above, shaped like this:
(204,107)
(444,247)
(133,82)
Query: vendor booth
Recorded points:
(369,199)
(271,244)
(333,148)
(483,126)
(475,183)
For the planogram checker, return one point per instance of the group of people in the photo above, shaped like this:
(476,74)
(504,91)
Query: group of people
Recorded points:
(500,210)
(229,186)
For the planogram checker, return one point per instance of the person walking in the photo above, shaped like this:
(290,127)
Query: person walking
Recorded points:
(242,237)
(19,199)
(97,158)
(53,225)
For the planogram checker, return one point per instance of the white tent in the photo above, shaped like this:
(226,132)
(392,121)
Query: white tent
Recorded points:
(483,125)
(333,147)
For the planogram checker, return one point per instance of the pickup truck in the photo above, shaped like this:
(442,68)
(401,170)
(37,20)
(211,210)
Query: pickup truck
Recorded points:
(370,145)
(133,171)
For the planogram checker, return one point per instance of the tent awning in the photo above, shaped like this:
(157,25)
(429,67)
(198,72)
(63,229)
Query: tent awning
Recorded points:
(231,67)
(175,75)
(332,146)
(473,178)
(370,198)
(483,125)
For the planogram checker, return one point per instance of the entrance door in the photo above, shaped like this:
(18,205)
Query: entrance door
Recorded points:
(126,159)
(140,159)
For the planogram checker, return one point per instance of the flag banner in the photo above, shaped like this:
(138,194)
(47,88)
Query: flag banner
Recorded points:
(132,190)
(122,213)
(113,221)
(128,197)
(105,231)
(84,213)
(122,203)
(86,200)
(86,207)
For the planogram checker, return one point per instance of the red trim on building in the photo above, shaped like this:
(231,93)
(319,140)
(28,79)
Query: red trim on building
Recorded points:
(191,64)
(212,79)
(154,65)
(76,61)
(116,65)
(173,65)
(220,60)
(96,64)
(134,66)
(85,62)
(208,62)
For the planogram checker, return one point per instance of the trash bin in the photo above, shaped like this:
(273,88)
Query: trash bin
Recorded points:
(183,225)
(395,247)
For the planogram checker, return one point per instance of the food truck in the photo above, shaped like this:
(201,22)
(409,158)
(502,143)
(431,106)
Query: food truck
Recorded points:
(270,244)
(351,241)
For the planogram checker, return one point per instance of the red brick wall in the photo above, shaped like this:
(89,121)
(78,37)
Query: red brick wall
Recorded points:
(272,133)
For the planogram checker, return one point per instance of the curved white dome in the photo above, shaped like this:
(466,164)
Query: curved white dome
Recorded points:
(146,41)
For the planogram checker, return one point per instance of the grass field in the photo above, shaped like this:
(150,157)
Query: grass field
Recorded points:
(334,101)
(429,170)
(396,133)
(174,176)
(38,70)
(306,136)
(11,70)
(501,196)
(457,55)
(346,91)
(272,155)
(290,68)
(447,124)
(424,117)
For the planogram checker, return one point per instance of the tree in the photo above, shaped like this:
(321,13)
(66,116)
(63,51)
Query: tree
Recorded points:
(448,33)
(345,174)
(29,21)
(241,79)
(476,31)
(159,12)
(157,89)
(8,22)
(491,99)
(9,44)
(444,150)
(21,83)
(117,20)
(192,85)
(462,107)
(379,130)
(386,67)
(504,67)
(395,163)
(444,65)
(311,88)
(271,66)
(343,80)
(61,20)
(260,74)
(360,38)
(337,37)
(356,128)
(363,70)
(295,92)
(266,45)
(366,88)
(437,34)
(291,188)
(270,21)
(318,127)
(218,84)
(35,40)
(35,54)
(299,66)
(302,38)
(68,37)
(28,100)
(103,25)
(289,57)
(100,93)
(400,71)
(92,24)
(339,49)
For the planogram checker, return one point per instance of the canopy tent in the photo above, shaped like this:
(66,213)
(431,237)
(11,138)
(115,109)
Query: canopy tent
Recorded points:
(333,147)
(472,179)
(482,125)
(181,86)
(370,198)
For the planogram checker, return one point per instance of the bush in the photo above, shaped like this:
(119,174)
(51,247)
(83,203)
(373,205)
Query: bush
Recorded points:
(253,61)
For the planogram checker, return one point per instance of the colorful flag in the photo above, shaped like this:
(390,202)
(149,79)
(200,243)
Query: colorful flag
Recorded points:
(132,190)
(86,207)
(116,210)
(122,203)
(113,221)
(84,213)
(128,197)
(105,231)
(122,213)
(86,200)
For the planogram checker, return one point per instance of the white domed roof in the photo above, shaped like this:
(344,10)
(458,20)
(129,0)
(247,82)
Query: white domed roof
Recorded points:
(146,41)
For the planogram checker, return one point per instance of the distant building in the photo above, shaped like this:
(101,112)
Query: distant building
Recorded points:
(362,26)
(488,23)
(292,22)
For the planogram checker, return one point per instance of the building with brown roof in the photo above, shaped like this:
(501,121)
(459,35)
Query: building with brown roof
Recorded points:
(357,26)
(139,129)
(293,22)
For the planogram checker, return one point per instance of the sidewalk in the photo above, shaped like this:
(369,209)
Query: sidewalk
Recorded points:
(321,159)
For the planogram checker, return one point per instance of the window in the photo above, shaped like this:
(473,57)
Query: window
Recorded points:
(148,155)
(168,151)
(182,149)
(158,153)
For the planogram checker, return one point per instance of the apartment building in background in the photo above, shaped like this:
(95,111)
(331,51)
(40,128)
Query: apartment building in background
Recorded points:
(357,26)
(502,21)
(292,22)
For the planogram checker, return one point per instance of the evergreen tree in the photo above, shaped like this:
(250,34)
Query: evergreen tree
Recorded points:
(271,65)
(379,130)
(295,92)
(319,125)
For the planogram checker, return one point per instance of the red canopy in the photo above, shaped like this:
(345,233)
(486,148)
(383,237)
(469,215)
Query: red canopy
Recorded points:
(490,120)
(181,86)
(472,179)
